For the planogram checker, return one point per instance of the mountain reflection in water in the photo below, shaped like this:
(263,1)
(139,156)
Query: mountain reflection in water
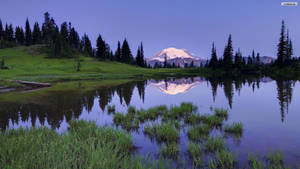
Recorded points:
(67,105)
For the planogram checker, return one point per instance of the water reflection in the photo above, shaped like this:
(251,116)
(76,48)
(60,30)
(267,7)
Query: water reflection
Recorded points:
(59,106)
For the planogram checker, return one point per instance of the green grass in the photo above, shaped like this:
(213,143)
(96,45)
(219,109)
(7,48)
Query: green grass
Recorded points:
(212,120)
(225,160)
(221,113)
(235,129)
(170,150)
(196,153)
(165,133)
(214,144)
(27,63)
(85,146)
(199,132)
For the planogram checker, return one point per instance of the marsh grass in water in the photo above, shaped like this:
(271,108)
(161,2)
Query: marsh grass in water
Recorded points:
(214,144)
(196,153)
(84,146)
(223,113)
(170,150)
(165,132)
(235,129)
(199,132)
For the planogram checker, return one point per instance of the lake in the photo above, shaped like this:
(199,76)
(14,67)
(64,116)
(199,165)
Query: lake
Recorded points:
(268,109)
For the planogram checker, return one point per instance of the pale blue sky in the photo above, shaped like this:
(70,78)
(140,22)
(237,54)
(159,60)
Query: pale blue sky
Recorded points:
(191,24)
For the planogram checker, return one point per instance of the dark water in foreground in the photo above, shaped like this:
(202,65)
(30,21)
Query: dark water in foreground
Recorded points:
(269,110)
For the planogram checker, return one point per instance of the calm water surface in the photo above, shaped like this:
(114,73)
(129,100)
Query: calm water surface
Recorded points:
(268,109)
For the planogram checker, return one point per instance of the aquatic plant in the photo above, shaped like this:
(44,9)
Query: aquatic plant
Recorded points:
(221,113)
(212,120)
(224,160)
(214,144)
(235,128)
(195,150)
(149,131)
(165,132)
(169,150)
(199,132)
(193,119)
(254,163)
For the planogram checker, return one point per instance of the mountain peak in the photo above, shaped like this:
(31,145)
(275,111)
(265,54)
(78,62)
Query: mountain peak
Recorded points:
(172,53)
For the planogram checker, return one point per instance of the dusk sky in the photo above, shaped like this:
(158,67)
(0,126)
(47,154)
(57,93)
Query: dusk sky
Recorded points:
(191,24)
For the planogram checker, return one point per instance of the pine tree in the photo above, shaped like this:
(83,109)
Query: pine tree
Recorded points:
(253,56)
(138,57)
(27,33)
(213,63)
(165,62)
(36,34)
(74,39)
(126,55)
(143,64)
(238,59)
(192,64)
(281,52)
(249,62)
(1,31)
(19,36)
(258,58)
(10,33)
(64,32)
(87,46)
(289,47)
(228,54)
(118,52)
(49,28)
(101,48)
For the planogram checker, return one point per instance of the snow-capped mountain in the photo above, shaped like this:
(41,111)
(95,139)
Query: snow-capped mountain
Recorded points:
(176,86)
(177,56)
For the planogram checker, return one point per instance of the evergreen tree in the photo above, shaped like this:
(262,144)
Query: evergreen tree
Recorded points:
(48,28)
(19,36)
(213,63)
(1,31)
(142,56)
(74,39)
(228,54)
(192,64)
(138,57)
(249,62)
(27,33)
(64,32)
(126,55)
(101,48)
(118,52)
(281,52)
(165,62)
(258,58)
(36,34)
(10,33)
(238,59)
(87,46)
(253,56)
(289,47)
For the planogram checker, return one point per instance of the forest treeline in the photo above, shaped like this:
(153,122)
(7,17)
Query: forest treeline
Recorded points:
(65,41)
(236,61)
